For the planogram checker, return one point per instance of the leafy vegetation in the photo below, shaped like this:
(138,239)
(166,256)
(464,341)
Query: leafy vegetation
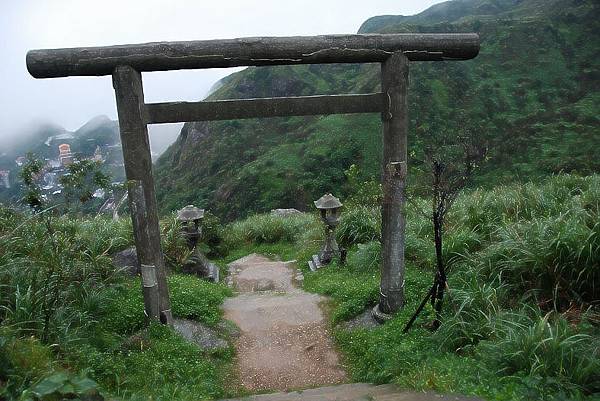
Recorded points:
(521,320)
(71,325)
(531,93)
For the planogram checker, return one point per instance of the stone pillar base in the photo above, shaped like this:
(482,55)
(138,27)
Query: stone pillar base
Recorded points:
(379,316)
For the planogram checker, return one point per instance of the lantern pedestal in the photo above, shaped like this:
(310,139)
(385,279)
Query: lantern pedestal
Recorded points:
(379,316)
(329,206)
(197,263)
(314,263)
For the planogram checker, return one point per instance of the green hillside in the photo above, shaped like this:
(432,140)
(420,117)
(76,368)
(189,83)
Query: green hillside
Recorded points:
(532,91)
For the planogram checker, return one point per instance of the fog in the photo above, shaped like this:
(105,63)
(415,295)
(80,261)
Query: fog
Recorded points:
(70,102)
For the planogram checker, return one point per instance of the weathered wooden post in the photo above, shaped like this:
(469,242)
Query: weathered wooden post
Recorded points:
(142,199)
(394,85)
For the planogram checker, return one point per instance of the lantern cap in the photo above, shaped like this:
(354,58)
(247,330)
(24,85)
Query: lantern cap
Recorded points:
(328,201)
(190,213)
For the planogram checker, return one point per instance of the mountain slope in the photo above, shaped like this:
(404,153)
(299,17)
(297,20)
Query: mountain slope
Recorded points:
(533,90)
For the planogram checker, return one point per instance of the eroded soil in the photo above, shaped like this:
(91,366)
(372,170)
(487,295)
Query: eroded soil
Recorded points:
(284,342)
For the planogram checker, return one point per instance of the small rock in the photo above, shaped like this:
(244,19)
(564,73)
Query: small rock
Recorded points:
(127,261)
(363,321)
(201,335)
(264,285)
(285,212)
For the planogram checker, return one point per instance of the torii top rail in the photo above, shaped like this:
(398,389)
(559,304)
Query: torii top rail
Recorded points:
(125,63)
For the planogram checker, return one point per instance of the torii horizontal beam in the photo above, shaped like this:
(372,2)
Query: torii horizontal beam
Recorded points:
(173,112)
(219,53)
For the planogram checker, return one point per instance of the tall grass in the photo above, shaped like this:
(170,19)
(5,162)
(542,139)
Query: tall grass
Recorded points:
(476,307)
(548,348)
(52,271)
(269,229)
(64,308)
(544,240)
(359,224)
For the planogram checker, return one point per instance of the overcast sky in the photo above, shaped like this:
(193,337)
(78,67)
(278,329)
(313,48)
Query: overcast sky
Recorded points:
(70,102)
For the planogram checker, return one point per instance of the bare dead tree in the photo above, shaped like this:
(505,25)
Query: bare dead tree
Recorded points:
(451,161)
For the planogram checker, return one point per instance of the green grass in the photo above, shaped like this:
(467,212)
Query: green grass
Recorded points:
(191,298)
(70,324)
(156,363)
(520,320)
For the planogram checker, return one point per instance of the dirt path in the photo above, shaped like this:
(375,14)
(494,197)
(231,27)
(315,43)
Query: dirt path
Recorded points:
(284,342)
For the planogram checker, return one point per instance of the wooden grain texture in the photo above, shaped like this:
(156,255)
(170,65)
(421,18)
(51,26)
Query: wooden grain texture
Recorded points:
(394,83)
(163,56)
(137,206)
(138,169)
(157,113)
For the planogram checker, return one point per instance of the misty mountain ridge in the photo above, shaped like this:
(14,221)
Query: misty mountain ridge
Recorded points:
(44,138)
(41,138)
(460,11)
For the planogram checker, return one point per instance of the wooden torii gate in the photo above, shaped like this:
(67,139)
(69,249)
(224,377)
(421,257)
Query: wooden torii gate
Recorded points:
(126,63)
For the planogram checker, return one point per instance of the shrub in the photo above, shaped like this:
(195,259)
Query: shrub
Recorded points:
(367,256)
(546,347)
(359,224)
(557,258)
(173,243)
(268,229)
(50,272)
(473,310)
(212,235)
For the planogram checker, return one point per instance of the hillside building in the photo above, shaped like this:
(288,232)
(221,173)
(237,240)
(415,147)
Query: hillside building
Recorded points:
(65,156)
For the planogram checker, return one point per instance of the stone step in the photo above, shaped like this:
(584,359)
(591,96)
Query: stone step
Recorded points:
(257,265)
(355,392)
(252,258)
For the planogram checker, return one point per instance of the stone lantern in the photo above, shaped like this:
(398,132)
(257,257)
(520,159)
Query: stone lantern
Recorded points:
(191,230)
(329,206)
(190,217)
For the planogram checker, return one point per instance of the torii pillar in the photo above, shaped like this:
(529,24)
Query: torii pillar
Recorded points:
(394,85)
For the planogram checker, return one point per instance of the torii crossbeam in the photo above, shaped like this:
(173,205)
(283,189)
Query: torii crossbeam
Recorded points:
(126,63)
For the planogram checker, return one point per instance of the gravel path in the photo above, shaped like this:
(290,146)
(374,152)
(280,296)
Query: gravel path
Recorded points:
(284,342)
